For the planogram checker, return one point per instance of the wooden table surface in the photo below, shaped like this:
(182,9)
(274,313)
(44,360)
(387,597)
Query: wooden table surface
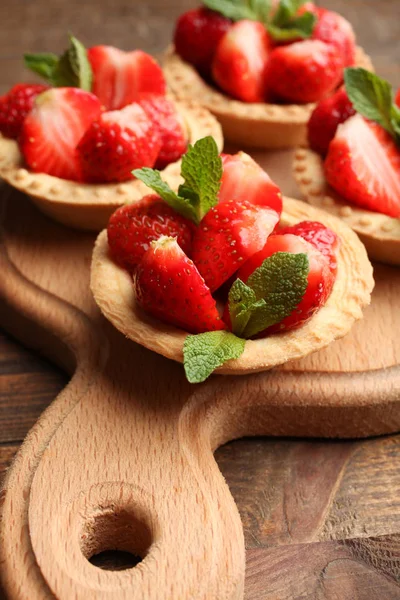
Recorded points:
(340,499)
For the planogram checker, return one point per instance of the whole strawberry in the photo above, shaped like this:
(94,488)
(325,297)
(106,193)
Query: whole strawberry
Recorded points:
(326,117)
(15,105)
(196,37)
(304,71)
(335,30)
(53,128)
(227,236)
(170,127)
(169,287)
(320,278)
(133,227)
(120,78)
(118,142)
(321,237)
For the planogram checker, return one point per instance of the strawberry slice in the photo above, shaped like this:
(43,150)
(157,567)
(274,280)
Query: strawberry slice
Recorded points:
(131,228)
(197,34)
(321,237)
(244,179)
(120,78)
(118,142)
(53,128)
(15,105)
(320,278)
(240,61)
(229,234)
(170,127)
(169,287)
(326,117)
(363,166)
(304,71)
(335,30)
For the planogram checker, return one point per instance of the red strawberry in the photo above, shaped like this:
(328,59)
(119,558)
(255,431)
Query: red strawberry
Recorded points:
(120,78)
(397,98)
(169,287)
(131,228)
(335,30)
(240,61)
(326,117)
(244,179)
(304,71)
(321,237)
(228,235)
(15,105)
(320,278)
(363,166)
(117,143)
(170,126)
(53,128)
(196,37)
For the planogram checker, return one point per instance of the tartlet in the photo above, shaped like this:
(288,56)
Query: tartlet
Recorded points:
(379,232)
(257,125)
(89,206)
(114,293)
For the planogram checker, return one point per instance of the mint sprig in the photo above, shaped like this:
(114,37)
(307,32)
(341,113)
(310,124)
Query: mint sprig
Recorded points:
(372,97)
(283,24)
(205,352)
(71,69)
(272,293)
(202,172)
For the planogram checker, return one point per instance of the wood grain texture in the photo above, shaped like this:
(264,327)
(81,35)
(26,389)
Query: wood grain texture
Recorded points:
(359,505)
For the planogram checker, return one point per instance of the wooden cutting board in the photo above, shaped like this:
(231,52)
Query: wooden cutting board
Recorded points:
(123,460)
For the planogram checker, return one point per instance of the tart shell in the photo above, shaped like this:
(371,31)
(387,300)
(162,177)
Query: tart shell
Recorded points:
(257,125)
(379,233)
(89,206)
(114,293)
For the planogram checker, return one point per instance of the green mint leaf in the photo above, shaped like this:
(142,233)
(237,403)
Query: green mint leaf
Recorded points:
(202,171)
(71,69)
(42,64)
(205,352)
(152,178)
(300,27)
(261,8)
(370,95)
(272,293)
(233,9)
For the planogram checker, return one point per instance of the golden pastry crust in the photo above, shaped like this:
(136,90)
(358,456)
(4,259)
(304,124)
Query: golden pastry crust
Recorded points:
(257,125)
(89,206)
(114,293)
(379,233)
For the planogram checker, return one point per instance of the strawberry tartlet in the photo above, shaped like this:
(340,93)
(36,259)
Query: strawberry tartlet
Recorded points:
(352,165)
(73,143)
(218,277)
(261,67)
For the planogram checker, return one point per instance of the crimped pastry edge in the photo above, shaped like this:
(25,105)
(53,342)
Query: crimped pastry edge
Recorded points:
(89,206)
(114,293)
(379,233)
(258,125)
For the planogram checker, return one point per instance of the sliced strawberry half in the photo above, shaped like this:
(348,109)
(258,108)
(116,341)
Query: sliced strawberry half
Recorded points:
(53,128)
(170,127)
(15,105)
(304,71)
(240,61)
(244,179)
(321,237)
(120,78)
(117,143)
(335,30)
(133,227)
(228,235)
(326,117)
(320,278)
(363,166)
(169,287)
